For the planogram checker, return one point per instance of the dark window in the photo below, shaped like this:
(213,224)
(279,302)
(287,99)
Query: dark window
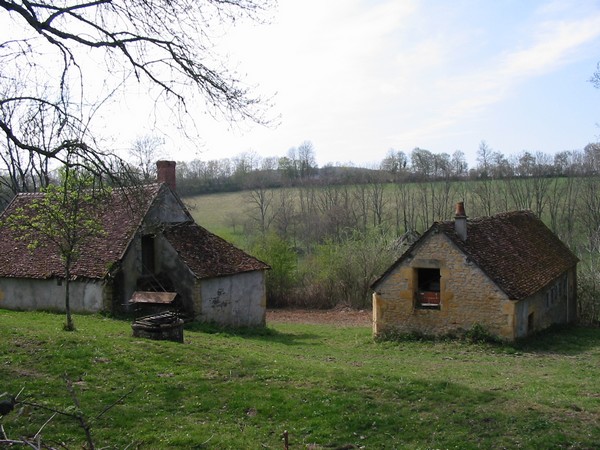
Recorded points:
(148,254)
(428,288)
(530,323)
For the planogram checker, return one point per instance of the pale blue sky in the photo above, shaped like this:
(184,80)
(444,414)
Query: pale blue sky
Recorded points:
(360,77)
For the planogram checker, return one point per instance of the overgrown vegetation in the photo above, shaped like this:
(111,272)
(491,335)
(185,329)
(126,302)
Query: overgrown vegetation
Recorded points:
(328,386)
(477,334)
(327,244)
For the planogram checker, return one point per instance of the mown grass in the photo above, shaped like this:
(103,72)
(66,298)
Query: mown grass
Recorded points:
(328,386)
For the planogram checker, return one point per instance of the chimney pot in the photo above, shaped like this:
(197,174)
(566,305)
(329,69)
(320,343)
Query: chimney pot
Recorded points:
(166,173)
(460,221)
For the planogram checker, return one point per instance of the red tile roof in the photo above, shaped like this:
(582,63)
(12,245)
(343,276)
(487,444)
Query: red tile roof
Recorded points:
(207,255)
(120,215)
(516,251)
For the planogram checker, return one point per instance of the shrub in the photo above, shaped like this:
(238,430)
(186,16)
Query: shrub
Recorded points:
(480,334)
(588,291)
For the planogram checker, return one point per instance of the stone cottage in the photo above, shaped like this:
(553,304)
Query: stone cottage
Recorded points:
(150,242)
(508,273)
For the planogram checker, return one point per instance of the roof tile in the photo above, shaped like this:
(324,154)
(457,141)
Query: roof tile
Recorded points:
(120,214)
(515,249)
(207,255)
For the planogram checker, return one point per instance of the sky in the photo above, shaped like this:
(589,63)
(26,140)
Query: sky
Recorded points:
(360,77)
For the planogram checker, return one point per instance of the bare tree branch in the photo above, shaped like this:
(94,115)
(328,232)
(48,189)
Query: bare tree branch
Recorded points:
(166,45)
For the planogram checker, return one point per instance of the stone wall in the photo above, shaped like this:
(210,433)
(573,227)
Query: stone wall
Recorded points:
(467,296)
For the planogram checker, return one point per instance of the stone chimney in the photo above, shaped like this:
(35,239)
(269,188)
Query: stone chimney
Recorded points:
(166,173)
(460,221)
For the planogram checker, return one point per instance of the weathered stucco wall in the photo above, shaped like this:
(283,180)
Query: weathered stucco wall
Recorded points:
(131,268)
(467,296)
(166,209)
(48,295)
(169,263)
(237,300)
(555,304)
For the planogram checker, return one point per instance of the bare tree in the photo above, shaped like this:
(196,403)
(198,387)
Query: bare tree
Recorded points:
(144,153)
(285,214)
(405,203)
(485,188)
(334,203)
(164,45)
(378,201)
(422,163)
(484,159)
(395,162)
(459,164)
(307,162)
(260,201)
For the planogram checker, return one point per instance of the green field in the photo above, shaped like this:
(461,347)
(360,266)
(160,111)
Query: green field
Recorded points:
(212,211)
(329,387)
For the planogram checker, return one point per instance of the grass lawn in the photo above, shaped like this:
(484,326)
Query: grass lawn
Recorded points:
(330,387)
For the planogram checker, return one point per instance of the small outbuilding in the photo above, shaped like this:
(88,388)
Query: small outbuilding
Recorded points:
(149,243)
(508,273)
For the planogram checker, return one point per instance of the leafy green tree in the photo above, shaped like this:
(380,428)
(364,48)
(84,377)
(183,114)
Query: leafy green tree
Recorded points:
(62,219)
(282,258)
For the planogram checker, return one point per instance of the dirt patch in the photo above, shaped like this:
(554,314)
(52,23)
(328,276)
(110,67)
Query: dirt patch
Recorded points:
(342,317)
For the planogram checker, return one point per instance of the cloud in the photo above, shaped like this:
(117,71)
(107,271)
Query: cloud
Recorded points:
(549,46)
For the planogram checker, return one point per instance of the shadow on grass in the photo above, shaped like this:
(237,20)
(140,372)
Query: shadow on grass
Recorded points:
(256,333)
(562,340)
(559,340)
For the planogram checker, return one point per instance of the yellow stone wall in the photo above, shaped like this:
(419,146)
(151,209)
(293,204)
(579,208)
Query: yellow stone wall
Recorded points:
(467,296)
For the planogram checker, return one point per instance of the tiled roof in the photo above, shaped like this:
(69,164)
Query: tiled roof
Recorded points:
(120,215)
(515,250)
(207,255)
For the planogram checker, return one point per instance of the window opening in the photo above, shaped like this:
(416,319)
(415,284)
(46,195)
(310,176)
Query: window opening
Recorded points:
(530,323)
(148,254)
(428,288)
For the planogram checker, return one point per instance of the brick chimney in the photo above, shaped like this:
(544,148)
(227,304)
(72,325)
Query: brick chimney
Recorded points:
(166,173)
(460,221)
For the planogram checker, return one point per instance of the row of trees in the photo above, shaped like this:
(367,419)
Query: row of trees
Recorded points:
(249,170)
(312,214)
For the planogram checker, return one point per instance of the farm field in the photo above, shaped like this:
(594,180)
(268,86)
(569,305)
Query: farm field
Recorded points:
(326,382)
(213,210)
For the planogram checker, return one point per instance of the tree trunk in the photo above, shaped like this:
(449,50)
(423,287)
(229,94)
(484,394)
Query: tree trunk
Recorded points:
(69,326)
